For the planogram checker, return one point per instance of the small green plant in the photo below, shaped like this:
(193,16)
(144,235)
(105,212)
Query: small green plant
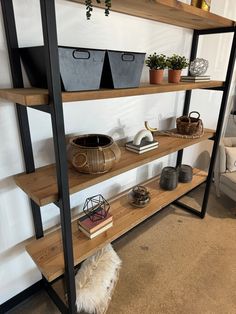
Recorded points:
(156,62)
(177,62)
(89,7)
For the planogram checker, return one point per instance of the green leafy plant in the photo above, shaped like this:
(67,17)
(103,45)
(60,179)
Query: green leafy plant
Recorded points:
(156,62)
(177,62)
(89,7)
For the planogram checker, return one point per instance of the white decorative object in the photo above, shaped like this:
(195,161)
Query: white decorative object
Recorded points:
(96,280)
(230,158)
(198,67)
(143,134)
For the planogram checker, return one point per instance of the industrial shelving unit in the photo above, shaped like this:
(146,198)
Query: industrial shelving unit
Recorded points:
(57,253)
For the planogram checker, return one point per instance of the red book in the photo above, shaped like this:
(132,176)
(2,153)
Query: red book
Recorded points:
(92,226)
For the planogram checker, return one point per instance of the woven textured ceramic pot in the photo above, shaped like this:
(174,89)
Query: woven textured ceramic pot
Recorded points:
(93,153)
(185,173)
(169,178)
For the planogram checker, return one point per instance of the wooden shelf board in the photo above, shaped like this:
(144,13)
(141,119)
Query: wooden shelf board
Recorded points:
(37,96)
(41,186)
(169,11)
(25,96)
(47,252)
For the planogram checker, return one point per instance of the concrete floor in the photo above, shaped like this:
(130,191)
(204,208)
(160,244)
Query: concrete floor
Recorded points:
(172,263)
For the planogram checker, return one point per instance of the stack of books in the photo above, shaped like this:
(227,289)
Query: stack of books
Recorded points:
(144,146)
(202,78)
(93,228)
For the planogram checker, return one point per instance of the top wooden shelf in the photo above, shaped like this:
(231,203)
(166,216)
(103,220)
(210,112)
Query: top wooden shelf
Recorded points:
(37,96)
(169,11)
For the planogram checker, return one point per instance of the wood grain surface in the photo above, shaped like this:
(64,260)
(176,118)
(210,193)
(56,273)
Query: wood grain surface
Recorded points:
(47,252)
(169,11)
(41,186)
(37,96)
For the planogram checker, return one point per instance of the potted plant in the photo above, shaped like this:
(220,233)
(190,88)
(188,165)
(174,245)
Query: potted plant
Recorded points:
(175,65)
(89,7)
(157,64)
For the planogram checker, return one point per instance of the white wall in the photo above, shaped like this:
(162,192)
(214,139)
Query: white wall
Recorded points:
(118,117)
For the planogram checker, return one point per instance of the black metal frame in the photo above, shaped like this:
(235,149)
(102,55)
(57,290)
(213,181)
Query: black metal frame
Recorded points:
(188,93)
(225,89)
(43,108)
(55,101)
(55,297)
(22,115)
(55,109)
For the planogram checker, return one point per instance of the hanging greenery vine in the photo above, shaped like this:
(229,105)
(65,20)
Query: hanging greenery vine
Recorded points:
(89,7)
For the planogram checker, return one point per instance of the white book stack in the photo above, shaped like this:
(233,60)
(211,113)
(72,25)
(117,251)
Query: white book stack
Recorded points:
(202,78)
(144,146)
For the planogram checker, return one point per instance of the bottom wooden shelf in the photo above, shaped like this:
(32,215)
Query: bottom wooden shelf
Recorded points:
(47,252)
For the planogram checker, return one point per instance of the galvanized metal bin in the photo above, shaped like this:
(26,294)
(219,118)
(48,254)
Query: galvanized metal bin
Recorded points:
(80,68)
(122,69)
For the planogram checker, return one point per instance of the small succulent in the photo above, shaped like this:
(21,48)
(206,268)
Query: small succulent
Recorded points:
(177,62)
(89,7)
(156,62)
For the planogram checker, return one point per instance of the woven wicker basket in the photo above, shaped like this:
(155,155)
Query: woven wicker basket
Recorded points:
(93,153)
(189,125)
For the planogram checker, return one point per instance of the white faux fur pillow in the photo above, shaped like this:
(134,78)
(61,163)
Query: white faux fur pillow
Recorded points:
(230,158)
(96,279)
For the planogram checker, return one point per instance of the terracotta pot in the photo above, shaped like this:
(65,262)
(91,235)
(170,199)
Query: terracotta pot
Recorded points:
(156,76)
(174,76)
(93,153)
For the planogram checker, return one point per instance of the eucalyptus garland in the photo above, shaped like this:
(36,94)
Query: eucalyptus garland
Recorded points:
(89,7)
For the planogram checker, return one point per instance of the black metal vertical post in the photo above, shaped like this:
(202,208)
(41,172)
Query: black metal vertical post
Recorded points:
(23,122)
(220,123)
(188,93)
(54,88)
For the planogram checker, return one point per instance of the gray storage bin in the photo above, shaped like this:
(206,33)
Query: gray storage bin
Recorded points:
(122,69)
(80,68)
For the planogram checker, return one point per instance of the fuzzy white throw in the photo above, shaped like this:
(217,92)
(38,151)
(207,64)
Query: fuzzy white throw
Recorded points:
(96,279)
